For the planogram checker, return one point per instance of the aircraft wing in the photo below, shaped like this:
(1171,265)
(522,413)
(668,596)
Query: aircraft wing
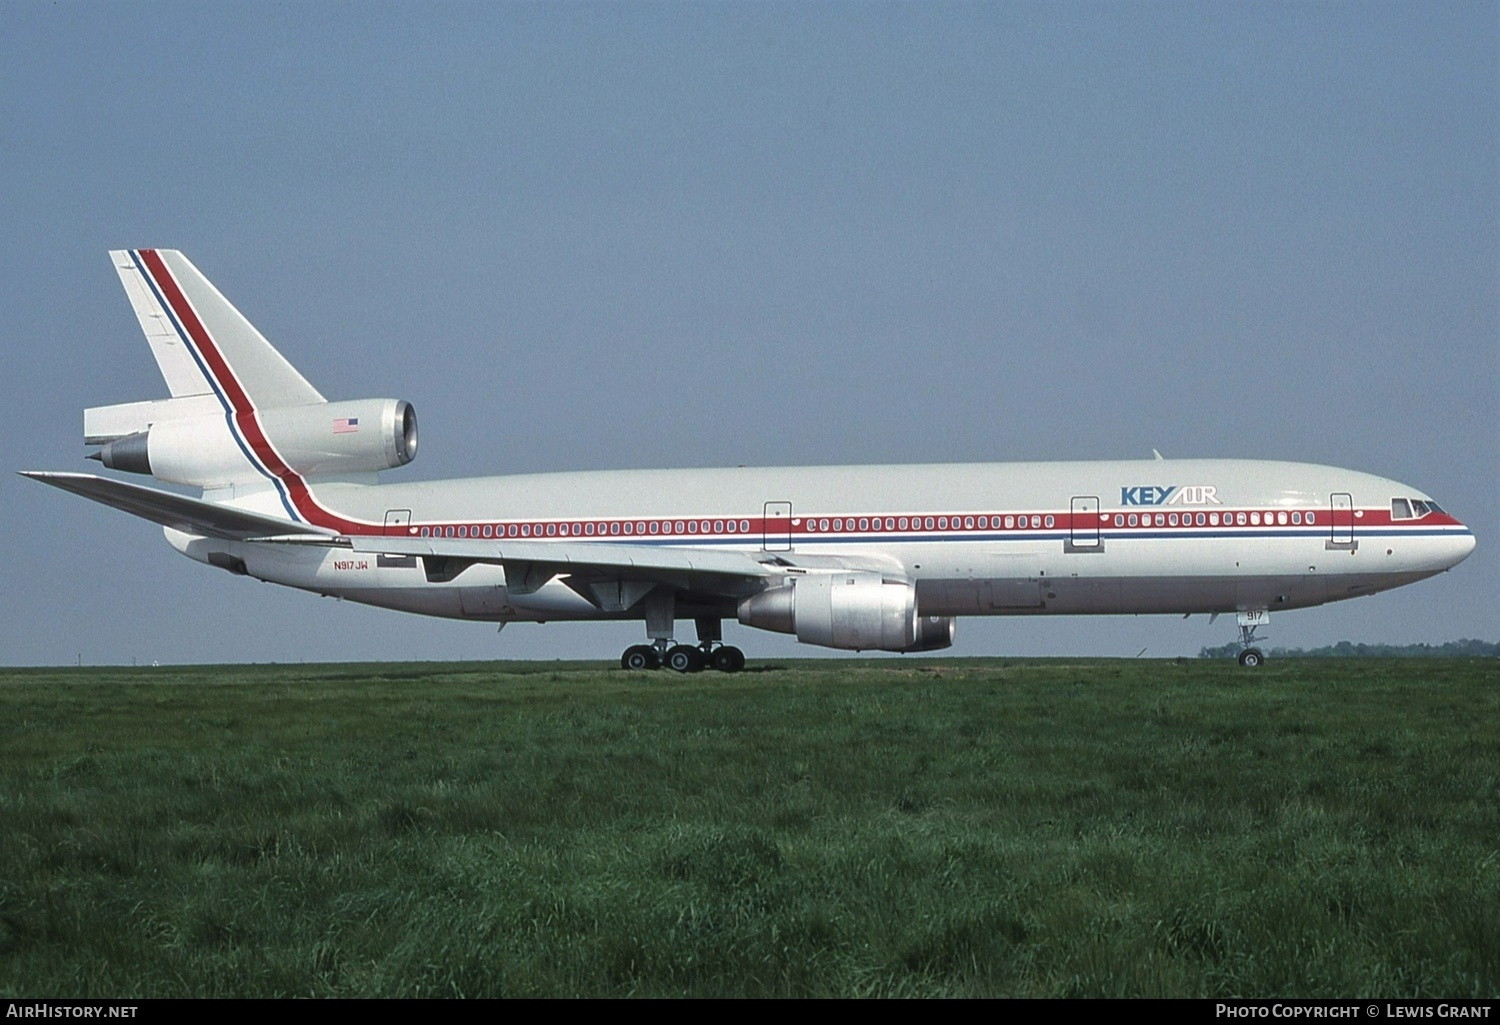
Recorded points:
(192,515)
(611,575)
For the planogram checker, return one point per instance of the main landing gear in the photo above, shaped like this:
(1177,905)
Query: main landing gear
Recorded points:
(709,653)
(684,658)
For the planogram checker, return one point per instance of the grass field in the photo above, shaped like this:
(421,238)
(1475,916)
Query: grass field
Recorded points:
(891,827)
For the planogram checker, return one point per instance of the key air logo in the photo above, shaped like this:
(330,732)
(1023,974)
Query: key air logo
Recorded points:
(1152,494)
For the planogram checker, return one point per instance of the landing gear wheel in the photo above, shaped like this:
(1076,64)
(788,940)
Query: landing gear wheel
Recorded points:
(684,659)
(727,659)
(1252,658)
(641,656)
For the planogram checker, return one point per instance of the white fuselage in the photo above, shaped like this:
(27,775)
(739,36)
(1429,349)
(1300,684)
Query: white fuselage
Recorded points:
(1176,536)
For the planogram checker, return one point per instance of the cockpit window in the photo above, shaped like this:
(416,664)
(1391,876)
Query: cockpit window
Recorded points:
(1412,508)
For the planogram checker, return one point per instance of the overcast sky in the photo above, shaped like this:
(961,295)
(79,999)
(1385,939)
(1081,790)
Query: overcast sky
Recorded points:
(583,236)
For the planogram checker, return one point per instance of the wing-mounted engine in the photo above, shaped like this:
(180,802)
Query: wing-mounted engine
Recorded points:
(855,610)
(188,441)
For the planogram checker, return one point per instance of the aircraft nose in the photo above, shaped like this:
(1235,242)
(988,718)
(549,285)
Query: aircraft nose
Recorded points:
(1459,548)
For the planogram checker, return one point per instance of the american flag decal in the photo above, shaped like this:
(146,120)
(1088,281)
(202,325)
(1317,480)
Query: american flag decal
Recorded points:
(346,425)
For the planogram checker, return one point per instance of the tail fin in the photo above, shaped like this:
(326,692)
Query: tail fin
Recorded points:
(240,415)
(202,344)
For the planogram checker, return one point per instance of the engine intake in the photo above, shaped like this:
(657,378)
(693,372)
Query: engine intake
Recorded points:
(856,611)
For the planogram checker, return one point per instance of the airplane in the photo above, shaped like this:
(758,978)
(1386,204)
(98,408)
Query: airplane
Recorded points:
(858,558)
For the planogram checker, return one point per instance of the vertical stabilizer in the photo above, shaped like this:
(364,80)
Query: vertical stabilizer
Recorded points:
(172,353)
(201,342)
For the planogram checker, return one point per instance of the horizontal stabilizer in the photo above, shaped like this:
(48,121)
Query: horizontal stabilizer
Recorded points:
(191,515)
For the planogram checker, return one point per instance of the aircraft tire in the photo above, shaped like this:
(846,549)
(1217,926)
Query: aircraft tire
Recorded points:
(684,658)
(1252,658)
(640,656)
(728,659)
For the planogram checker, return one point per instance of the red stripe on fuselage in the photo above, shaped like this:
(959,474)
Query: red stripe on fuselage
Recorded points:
(240,406)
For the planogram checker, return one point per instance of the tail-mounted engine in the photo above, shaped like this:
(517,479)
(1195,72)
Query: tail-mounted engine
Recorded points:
(858,610)
(181,441)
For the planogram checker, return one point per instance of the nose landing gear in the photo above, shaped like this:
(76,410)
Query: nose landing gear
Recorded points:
(1250,621)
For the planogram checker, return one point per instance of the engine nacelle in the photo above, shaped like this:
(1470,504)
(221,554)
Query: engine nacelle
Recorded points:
(328,439)
(934,633)
(856,610)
